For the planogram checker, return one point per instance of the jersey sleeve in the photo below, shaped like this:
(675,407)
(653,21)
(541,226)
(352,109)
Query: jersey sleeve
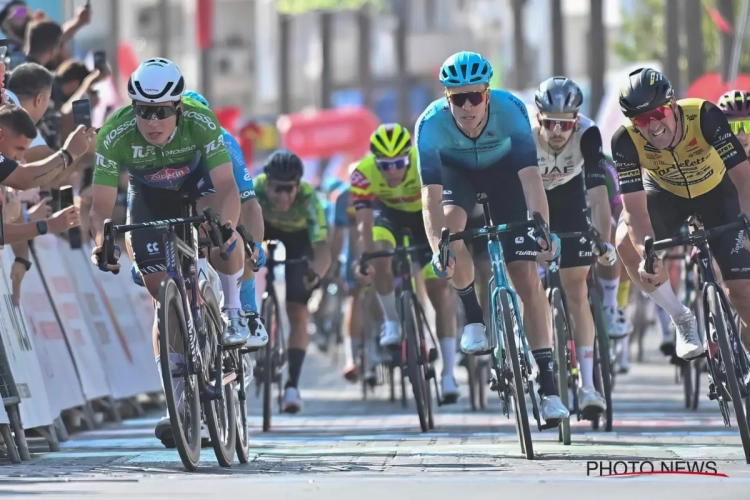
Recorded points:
(523,152)
(317,225)
(427,139)
(715,129)
(107,166)
(210,138)
(341,218)
(241,174)
(593,158)
(627,162)
(362,195)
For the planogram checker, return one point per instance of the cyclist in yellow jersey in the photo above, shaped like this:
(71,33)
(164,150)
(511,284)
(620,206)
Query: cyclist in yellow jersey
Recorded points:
(685,148)
(386,192)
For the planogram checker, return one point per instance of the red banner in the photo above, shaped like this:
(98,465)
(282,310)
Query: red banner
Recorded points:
(204,18)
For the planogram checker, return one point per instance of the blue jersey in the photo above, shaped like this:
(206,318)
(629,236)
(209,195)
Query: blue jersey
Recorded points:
(242,175)
(342,215)
(506,141)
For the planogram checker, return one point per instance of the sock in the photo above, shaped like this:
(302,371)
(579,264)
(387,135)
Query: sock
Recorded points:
(230,285)
(296,358)
(665,323)
(546,378)
(610,292)
(623,294)
(585,357)
(388,304)
(448,350)
(175,360)
(247,295)
(472,309)
(664,296)
(355,345)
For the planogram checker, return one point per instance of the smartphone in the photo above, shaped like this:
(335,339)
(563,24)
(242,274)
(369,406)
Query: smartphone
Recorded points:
(82,112)
(100,60)
(66,200)
(3,52)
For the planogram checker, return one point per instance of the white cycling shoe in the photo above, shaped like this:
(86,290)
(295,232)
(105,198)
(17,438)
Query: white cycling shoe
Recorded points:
(474,339)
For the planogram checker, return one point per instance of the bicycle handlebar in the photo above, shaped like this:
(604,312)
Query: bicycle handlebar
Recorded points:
(695,238)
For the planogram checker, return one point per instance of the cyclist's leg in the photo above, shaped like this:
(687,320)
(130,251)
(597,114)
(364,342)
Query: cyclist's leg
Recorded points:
(384,234)
(248,294)
(353,312)
(667,213)
(729,249)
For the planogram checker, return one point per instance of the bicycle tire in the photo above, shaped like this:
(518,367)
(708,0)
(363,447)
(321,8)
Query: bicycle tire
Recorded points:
(188,444)
(404,401)
(518,395)
(423,350)
(240,401)
(471,368)
(560,334)
(687,383)
(279,355)
(416,377)
(362,369)
(696,373)
(727,358)
(602,362)
(223,433)
(269,315)
(483,378)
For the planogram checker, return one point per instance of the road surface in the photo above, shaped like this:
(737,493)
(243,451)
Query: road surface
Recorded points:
(341,447)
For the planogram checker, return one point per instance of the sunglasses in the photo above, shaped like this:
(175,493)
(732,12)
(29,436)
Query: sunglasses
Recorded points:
(564,124)
(655,114)
(397,163)
(154,112)
(743,125)
(284,188)
(474,98)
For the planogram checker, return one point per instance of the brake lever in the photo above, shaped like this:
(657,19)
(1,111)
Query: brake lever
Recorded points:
(541,227)
(249,245)
(108,245)
(214,231)
(443,247)
(648,254)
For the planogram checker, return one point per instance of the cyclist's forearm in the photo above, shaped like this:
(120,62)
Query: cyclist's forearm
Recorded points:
(365,223)
(337,242)
(601,213)
(533,191)
(635,214)
(103,203)
(432,213)
(252,219)
(321,258)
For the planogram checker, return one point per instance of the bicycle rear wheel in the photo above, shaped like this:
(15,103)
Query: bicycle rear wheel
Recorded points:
(240,404)
(413,355)
(716,307)
(220,413)
(560,332)
(603,374)
(186,424)
(518,392)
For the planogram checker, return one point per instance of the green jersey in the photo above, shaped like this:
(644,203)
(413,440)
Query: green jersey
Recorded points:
(306,211)
(196,140)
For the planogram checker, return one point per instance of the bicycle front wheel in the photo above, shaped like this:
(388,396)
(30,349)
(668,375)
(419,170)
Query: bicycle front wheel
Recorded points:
(221,417)
(518,393)
(413,366)
(174,342)
(603,374)
(562,368)
(726,351)
(268,313)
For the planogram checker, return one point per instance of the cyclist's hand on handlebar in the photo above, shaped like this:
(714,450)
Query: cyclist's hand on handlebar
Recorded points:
(437,267)
(259,255)
(233,242)
(99,260)
(651,279)
(609,257)
(549,254)
(311,281)
(362,279)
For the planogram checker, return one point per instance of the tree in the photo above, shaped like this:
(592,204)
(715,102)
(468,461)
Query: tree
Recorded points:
(643,38)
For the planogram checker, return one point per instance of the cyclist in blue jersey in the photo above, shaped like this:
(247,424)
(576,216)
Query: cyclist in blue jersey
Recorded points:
(479,140)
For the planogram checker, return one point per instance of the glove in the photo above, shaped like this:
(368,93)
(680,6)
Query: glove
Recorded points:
(436,263)
(261,255)
(137,278)
(609,257)
(554,239)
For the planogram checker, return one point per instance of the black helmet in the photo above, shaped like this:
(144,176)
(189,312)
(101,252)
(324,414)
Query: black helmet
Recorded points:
(647,89)
(283,165)
(558,95)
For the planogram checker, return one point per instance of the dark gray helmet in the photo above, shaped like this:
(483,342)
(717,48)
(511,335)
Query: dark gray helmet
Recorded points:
(558,95)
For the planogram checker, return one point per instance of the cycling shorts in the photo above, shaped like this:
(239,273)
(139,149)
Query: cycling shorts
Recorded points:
(297,246)
(390,223)
(567,214)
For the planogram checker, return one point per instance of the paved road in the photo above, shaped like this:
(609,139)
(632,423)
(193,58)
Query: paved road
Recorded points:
(340,443)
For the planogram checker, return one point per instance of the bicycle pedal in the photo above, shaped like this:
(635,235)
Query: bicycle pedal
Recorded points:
(429,373)
(494,386)
(433,355)
(550,424)
(482,353)
(248,350)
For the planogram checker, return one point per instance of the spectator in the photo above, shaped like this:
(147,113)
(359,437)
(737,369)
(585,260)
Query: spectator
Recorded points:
(43,41)
(30,86)
(69,76)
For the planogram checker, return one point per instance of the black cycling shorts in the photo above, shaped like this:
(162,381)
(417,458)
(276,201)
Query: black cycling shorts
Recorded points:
(507,204)
(719,206)
(297,245)
(567,214)
(390,224)
(149,204)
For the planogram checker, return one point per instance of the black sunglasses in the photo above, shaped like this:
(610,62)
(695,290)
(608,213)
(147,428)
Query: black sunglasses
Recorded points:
(154,112)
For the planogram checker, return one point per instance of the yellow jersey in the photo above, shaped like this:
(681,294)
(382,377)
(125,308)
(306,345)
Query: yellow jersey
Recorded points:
(368,185)
(693,167)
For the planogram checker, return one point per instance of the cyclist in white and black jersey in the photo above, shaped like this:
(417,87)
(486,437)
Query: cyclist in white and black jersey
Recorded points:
(570,157)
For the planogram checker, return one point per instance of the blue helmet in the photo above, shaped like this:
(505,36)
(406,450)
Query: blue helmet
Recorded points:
(465,68)
(197,97)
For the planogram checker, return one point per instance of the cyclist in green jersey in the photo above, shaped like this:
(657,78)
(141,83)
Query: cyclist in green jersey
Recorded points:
(171,147)
(293,214)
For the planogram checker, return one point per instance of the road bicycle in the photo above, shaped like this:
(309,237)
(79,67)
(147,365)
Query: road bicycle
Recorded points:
(726,358)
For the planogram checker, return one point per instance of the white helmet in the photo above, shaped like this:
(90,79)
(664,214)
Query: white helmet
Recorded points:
(156,80)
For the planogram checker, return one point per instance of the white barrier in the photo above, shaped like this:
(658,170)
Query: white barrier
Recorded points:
(49,251)
(22,355)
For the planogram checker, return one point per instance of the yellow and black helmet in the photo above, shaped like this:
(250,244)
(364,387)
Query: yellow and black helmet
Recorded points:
(390,140)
